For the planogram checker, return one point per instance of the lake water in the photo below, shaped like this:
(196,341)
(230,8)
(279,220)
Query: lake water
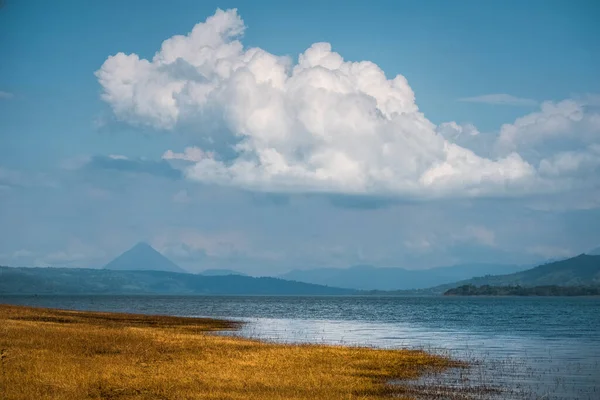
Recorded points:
(530,348)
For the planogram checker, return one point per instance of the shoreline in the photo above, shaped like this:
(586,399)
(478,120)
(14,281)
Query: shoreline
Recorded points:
(66,354)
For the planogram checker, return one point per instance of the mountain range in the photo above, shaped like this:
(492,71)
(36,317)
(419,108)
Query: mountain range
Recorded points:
(580,270)
(143,270)
(106,281)
(143,257)
(366,277)
(583,269)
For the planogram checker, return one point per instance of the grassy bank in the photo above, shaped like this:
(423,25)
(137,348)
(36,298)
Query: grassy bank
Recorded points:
(56,354)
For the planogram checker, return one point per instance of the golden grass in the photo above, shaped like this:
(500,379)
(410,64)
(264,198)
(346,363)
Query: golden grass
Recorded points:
(57,354)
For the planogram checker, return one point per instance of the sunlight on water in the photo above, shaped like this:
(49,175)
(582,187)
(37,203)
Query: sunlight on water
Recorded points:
(520,368)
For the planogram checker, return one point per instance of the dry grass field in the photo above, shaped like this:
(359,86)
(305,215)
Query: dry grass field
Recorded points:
(57,354)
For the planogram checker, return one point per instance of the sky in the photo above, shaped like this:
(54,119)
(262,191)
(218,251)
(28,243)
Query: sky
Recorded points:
(267,136)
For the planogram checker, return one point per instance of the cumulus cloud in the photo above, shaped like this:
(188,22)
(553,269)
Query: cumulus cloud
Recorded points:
(562,122)
(468,136)
(582,164)
(320,124)
(453,131)
(501,99)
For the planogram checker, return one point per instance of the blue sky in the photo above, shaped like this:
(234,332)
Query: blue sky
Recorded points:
(252,144)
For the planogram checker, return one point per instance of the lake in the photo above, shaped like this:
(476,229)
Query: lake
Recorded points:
(529,347)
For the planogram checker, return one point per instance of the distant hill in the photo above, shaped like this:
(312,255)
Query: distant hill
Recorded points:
(104,281)
(583,270)
(365,277)
(143,257)
(221,272)
(549,290)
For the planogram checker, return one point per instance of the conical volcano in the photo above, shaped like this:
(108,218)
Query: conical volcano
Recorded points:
(143,257)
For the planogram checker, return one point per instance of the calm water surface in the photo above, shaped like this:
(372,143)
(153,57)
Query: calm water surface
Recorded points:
(532,348)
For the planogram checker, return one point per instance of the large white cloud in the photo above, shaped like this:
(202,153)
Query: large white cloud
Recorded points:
(322,124)
(565,121)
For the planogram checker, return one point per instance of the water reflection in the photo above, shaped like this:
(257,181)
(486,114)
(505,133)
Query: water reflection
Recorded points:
(502,366)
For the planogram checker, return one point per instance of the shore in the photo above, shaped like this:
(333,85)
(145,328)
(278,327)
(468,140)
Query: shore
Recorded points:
(59,354)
